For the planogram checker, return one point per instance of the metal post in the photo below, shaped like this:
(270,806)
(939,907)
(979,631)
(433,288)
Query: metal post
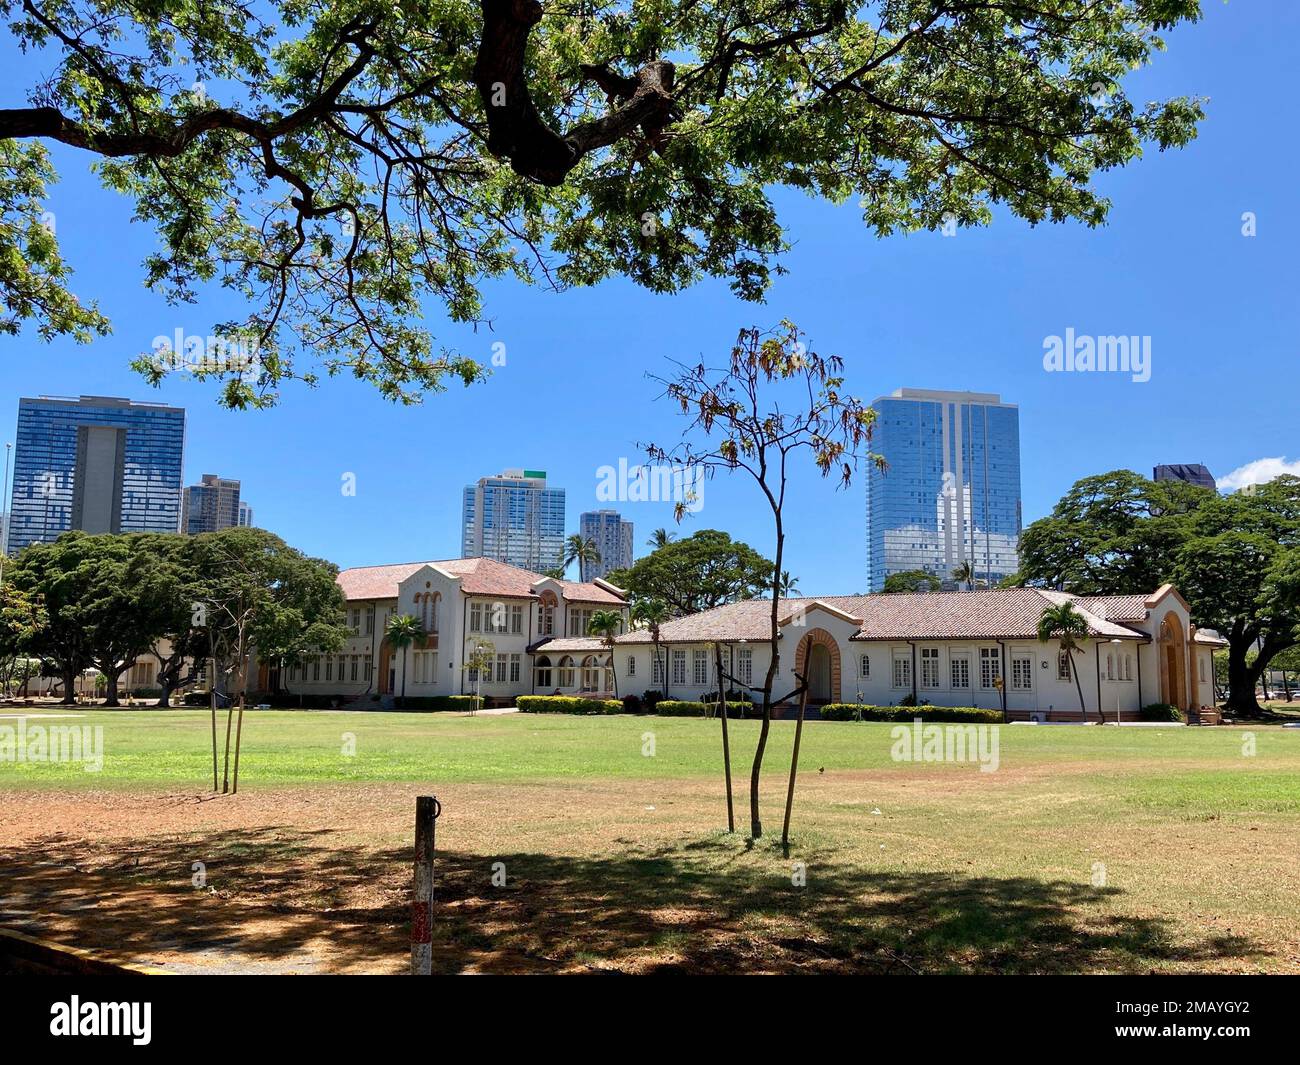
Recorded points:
(427,809)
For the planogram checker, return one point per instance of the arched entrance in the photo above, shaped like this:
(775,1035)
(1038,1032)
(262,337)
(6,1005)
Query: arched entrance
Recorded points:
(1172,649)
(818,659)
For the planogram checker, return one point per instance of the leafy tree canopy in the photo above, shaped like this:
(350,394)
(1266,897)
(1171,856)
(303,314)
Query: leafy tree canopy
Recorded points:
(335,164)
(912,580)
(1236,559)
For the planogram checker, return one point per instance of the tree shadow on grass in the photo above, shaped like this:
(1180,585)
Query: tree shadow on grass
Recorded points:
(284,899)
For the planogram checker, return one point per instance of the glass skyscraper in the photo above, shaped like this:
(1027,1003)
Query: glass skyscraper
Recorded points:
(210,505)
(613,537)
(513,517)
(951,492)
(97,463)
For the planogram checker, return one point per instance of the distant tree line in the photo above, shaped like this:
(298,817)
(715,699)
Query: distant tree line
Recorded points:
(1235,558)
(106,601)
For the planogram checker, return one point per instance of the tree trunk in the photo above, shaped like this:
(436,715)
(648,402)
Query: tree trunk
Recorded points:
(110,687)
(755,821)
(1083,710)
(1241,679)
(69,687)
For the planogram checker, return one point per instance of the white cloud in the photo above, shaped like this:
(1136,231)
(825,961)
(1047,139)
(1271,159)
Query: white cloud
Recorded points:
(1261,471)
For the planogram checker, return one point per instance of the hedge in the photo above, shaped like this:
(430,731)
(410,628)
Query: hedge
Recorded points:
(566,704)
(687,708)
(1161,712)
(858,712)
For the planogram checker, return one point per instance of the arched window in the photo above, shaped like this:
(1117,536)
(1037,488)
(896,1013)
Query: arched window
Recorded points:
(591,672)
(546,613)
(566,672)
(543,667)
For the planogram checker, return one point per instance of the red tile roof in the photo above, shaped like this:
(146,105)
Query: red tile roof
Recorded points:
(567,644)
(478,576)
(995,613)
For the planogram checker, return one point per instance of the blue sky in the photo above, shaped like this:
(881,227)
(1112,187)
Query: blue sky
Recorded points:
(966,312)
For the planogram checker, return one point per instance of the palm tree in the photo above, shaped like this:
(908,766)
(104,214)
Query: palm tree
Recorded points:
(965,574)
(402,631)
(660,538)
(789,585)
(1068,628)
(582,550)
(652,613)
(607,624)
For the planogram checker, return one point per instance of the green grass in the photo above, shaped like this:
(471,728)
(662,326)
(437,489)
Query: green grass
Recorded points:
(171,748)
(617,859)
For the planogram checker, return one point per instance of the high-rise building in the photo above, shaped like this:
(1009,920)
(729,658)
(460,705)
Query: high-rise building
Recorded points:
(97,463)
(513,517)
(1191,472)
(951,491)
(210,505)
(245,514)
(613,537)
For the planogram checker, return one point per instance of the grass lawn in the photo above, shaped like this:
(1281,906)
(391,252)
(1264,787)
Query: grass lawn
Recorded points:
(564,846)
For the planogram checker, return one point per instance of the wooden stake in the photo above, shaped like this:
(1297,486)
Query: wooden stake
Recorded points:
(426,813)
(239,732)
(794,767)
(726,746)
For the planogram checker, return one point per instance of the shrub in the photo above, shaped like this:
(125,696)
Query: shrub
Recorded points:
(859,712)
(1161,712)
(650,699)
(675,708)
(632,704)
(566,704)
(434,703)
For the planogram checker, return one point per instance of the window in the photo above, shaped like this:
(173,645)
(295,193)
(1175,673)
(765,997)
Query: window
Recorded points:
(990,667)
(1110,667)
(476,617)
(1063,665)
(516,619)
(370,620)
(1128,667)
(566,672)
(578,620)
(355,666)
(864,665)
(503,664)
(1022,673)
(546,616)
(329,667)
(1203,669)
(365,660)
(631,665)
(929,667)
(355,621)
(494,617)
(745,661)
(902,671)
(701,668)
(656,669)
(679,666)
(515,663)
(315,667)
(543,668)
(959,669)
(590,674)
